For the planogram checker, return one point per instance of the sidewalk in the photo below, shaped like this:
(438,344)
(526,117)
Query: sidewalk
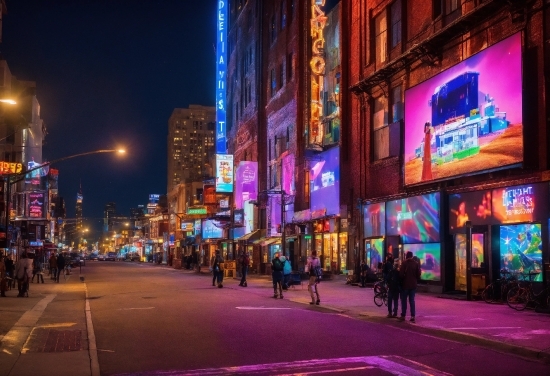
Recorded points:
(494,326)
(46,330)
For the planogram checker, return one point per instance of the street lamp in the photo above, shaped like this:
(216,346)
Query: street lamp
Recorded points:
(20,176)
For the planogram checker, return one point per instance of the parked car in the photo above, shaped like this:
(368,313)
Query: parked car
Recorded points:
(93,256)
(121,256)
(101,257)
(111,256)
(134,256)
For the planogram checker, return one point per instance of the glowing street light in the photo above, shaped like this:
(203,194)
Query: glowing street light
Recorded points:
(8,101)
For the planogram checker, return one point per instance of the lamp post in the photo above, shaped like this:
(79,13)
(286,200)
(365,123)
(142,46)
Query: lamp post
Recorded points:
(20,176)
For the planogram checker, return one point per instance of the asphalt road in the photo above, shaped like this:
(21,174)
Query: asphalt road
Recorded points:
(152,320)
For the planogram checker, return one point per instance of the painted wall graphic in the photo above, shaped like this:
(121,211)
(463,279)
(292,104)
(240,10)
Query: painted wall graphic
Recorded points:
(429,256)
(468,118)
(210,230)
(521,249)
(325,182)
(522,203)
(374,218)
(415,219)
(374,252)
(224,173)
(246,183)
(471,206)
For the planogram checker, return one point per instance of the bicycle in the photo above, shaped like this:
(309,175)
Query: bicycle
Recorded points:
(381,297)
(498,290)
(379,286)
(519,297)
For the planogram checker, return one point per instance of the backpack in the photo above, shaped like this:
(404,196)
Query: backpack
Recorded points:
(278,265)
(316,270)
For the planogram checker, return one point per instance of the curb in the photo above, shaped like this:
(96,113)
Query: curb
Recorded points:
(464,338)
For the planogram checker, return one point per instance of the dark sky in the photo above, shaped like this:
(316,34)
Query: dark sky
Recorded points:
(108,74)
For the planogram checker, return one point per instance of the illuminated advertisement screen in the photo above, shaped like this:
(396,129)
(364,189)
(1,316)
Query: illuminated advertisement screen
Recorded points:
(288,183)
(374,220)
(471,206)
(325,182)
(221,79)
(198,226)
(468,118)
(224,173)
(36,205)
(415,219)
(246,183)
(429,256)
(248,217)
(521,249)
(522,203)
(374,253)
(210,231)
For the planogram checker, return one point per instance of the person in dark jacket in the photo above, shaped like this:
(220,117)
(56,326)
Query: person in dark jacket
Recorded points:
(410,274)
(217,267)
(388,267)
(364,270)
(60,266)
(394,285)
(244,260)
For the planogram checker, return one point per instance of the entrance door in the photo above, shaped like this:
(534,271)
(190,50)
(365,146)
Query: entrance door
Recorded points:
(478,264)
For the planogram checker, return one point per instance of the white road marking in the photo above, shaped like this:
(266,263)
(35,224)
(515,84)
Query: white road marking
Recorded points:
(255,308)
(92,345)
(130,309)
(392,364)
(488,327)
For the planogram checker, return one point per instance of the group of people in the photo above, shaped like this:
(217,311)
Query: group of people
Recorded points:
(281,269)
(401,282)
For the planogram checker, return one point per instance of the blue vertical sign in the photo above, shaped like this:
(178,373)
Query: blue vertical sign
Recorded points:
(221,71)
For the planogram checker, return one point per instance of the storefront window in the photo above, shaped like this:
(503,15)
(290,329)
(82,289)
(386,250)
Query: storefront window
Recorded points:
(343,251)
(319,245)
(460,262)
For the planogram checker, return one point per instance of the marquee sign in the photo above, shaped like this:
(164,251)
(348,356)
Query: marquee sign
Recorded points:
(317,66)
(10,168)
(221,70)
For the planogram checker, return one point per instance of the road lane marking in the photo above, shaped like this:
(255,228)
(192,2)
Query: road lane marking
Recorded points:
(392,364)
(129,309)
(258,308)
(487,327)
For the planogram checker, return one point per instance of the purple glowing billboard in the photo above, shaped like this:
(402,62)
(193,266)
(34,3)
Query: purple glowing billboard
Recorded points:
(468,118)
(374,220)
(415,219)
(246,183)
(210,230)
(325,183)
(429,256)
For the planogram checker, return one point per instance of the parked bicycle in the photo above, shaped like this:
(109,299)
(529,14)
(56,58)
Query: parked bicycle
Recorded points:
(497,291)
(379,286)
(381,297)
(520,297)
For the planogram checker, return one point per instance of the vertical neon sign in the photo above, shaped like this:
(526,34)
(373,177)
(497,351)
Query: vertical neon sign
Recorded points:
(317,65)
(221,70)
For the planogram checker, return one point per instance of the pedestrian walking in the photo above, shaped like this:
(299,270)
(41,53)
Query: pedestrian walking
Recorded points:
(217,268)
(3,280)
(363,270)
(287,270)
(10,268)
(394,286)
(277,267)
(313,285)
(53,266)
(388,267)
(409,274)
(23,273)
(37,270)
(60,266)
(245,263)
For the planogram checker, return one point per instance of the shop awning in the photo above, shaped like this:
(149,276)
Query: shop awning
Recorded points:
(251,236)
(266,241)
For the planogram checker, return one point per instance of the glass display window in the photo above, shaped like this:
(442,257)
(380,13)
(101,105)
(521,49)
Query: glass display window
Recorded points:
(343,254)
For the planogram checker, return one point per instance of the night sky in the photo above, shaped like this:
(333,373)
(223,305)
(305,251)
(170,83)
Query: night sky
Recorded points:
(108,74)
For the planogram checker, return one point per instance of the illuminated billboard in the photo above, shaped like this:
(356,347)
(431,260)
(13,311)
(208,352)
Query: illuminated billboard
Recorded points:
(224,173)
(468,118)
(325,183)
(246,183)
(521,249)
(522,203)
(36,205)
(374,220)
(470,206)
(429,256)
(415,219)
(221,79)
(210,230)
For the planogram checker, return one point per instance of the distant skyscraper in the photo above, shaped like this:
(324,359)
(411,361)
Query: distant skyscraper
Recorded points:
(78,211)
(110,212)
(190,144)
